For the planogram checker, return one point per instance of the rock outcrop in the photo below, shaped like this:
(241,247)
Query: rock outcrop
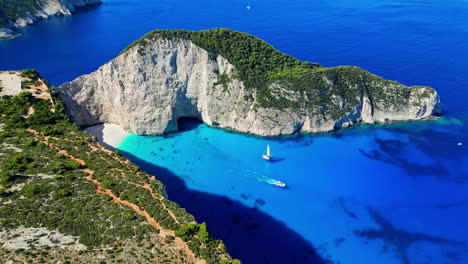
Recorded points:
(153,83)
(42,9)
(6,33)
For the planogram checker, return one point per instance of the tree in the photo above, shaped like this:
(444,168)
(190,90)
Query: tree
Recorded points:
(61,193)
(107,184)
(203,233)
(187,231)
(25,97)
(6,176)
(31,190)
(16,164)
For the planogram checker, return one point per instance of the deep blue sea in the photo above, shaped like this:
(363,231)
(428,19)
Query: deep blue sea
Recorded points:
(395,194)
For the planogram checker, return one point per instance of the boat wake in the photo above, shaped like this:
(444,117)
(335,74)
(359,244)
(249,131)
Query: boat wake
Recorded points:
(257,176)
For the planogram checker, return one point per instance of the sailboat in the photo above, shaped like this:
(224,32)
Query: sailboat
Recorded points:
(248,6)
(267,155)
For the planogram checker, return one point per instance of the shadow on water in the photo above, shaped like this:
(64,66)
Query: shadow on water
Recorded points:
(87,8)
(187,124)
(249,234)
(276,159)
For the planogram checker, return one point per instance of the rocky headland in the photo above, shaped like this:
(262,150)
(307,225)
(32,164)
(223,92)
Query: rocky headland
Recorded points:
(235,81)
(20,13)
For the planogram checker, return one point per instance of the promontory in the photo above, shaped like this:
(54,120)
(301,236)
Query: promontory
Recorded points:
(21,13)
(236,81)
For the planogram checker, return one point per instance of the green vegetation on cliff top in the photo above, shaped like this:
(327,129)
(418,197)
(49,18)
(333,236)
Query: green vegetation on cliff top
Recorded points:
(256,60)
(259,65)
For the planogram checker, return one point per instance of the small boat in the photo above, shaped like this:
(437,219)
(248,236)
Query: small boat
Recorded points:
(460,144)
(280,184)
(267,155)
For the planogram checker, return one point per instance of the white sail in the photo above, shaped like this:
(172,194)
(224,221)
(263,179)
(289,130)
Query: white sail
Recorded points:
(267,155)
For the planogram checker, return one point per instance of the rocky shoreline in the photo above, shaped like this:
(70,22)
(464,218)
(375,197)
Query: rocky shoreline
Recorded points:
(47,9)
(6,33)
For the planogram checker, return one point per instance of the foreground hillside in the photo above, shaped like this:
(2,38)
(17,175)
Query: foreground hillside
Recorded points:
(66,199)
(236,81)
(20,13)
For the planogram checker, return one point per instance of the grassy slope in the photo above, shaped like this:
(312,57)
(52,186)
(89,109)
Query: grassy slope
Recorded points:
(54,168)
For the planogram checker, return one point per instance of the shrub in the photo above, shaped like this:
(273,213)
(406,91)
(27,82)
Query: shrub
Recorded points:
(186,232)
(30,143)
(203,233)
(30,73)
(17,163)
(61,193)
(31,190)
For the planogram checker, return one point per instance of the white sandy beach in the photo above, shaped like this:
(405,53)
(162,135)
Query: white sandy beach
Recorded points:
(11,83)
(109,135)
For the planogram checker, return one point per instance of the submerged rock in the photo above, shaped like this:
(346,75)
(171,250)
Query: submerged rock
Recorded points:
(236,81)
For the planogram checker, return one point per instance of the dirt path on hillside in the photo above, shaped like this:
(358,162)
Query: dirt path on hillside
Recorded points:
(30,112)
(135,207)
(99,189)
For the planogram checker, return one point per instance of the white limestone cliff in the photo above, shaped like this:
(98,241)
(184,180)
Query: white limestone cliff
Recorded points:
(147,89)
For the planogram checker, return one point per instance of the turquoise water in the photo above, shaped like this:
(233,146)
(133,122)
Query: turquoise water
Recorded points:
(395,194)
(383,194)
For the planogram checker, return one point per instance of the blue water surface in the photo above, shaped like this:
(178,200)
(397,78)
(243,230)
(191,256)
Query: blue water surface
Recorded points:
(370,194)
(395,194)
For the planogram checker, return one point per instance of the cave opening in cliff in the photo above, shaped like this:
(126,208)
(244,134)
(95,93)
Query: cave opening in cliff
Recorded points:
(187,123)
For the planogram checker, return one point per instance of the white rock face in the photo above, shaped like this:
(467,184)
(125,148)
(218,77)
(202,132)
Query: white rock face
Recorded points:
(6,33)
(48,8)
(147,89)
(10,83)
(21,237)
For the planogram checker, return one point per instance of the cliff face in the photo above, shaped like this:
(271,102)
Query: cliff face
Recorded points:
(42,9)
(51,8)
(149,87)
(6,33)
